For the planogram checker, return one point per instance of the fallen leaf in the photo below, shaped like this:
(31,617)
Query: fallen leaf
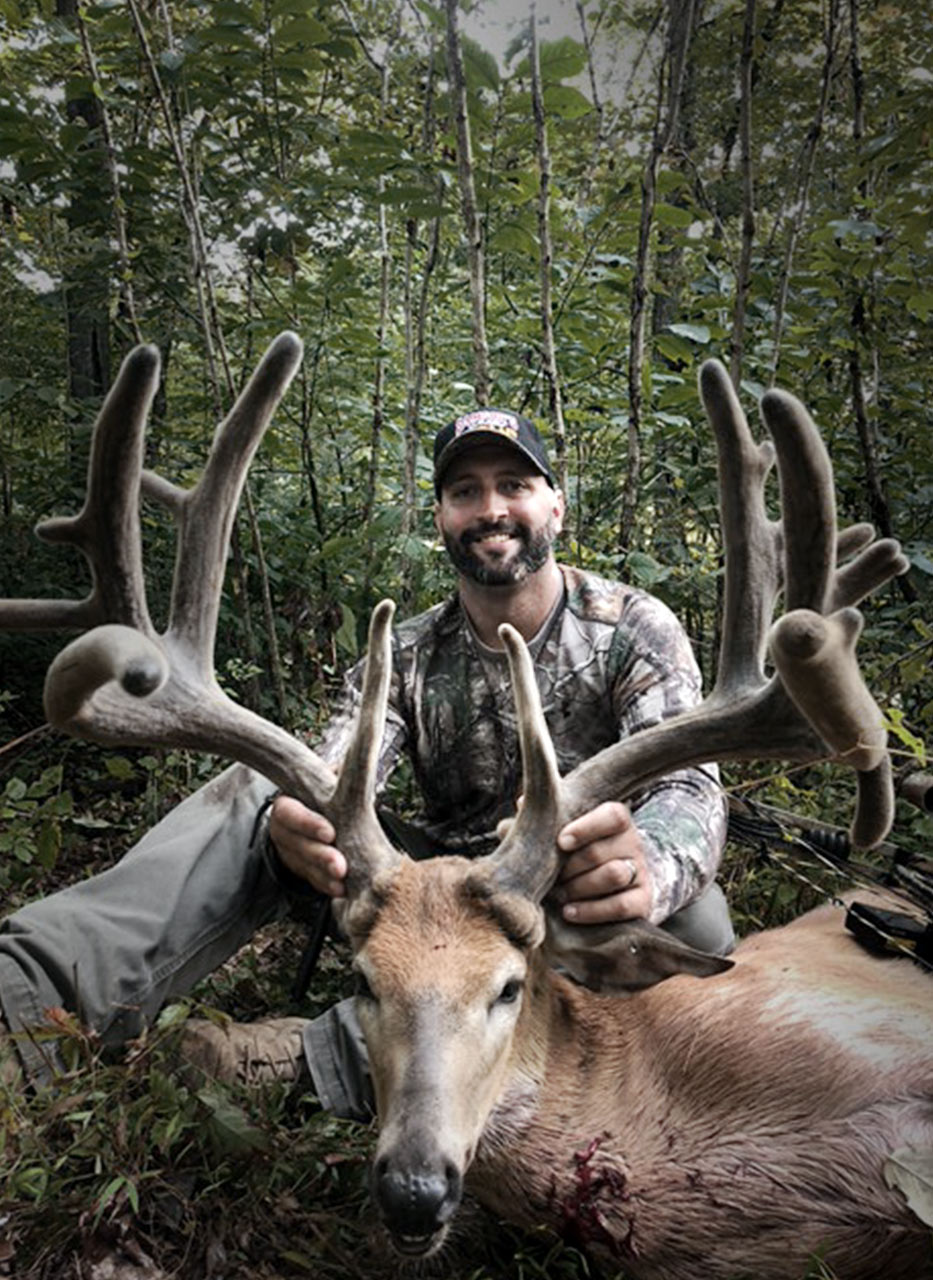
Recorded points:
(912,1172)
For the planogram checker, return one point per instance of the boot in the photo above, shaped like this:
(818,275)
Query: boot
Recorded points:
(247,1053)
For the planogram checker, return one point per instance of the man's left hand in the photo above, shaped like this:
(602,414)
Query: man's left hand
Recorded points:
(605,877)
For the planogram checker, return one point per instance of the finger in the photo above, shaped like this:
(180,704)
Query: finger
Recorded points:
(608,819)
(322,866)
(627,845)
(618,876)
(633,905)
(291,814)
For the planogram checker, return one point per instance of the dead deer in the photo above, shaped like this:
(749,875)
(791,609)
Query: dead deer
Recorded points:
(742,1125)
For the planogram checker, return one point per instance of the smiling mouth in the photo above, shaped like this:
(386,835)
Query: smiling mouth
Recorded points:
(494,538)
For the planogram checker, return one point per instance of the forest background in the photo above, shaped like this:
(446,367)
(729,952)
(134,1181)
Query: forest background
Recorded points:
(561,212)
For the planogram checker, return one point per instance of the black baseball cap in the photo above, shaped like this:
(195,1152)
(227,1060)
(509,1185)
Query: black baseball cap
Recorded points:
(489,426)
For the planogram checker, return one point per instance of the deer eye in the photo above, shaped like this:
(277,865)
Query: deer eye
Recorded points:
(510,992)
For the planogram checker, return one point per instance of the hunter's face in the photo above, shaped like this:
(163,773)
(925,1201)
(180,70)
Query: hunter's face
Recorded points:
(498,516)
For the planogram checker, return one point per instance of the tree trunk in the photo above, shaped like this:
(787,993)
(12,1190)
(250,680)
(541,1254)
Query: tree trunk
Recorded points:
(862,336)
(670,80)
(416,318)
(127,304)
(472,225)
(86,280)
(743,275)
(599,142)
(795,221)
(212,332)
(555,398)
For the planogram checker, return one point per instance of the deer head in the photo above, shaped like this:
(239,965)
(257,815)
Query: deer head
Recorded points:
(447,952)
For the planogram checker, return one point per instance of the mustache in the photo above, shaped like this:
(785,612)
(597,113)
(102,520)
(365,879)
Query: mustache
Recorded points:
(484,527)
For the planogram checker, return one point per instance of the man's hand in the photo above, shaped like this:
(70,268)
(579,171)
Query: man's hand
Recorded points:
(605,877)
(304,840)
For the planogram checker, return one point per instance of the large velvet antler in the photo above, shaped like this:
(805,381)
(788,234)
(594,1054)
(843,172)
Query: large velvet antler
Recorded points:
(814,707)
(125,684)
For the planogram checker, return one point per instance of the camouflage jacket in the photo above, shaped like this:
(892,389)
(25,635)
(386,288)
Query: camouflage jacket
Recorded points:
(610,660)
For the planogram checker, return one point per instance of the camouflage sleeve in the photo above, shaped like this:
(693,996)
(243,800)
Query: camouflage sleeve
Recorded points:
(682,822)
(332,745)
(682,817)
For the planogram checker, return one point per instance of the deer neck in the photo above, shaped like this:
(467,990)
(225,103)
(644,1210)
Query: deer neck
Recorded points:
(567,1056)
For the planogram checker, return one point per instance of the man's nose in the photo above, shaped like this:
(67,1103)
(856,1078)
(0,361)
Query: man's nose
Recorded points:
(493,504)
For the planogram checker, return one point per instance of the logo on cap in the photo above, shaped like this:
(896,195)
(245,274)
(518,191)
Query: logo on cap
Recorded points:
(504,424)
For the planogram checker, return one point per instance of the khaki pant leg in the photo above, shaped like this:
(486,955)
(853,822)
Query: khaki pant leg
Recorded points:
(114,948)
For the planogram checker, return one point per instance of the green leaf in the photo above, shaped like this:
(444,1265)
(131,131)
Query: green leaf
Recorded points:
(111,1190)
(513,237)
(644,571)
(346,634)
(921,304)
(672,347)
(16,789)
(49,781)
(856,227)
(230,1127)
(694,332)
(304,31)
(119,767)
(173,1015)
(480,69)
(48,845)
(406,194)
(561,59)
(171,60)
(672,215)
(232,37)
(894,723)
(8,389)
(566,102)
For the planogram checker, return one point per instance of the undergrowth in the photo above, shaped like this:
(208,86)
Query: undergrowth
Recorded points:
(133,1170)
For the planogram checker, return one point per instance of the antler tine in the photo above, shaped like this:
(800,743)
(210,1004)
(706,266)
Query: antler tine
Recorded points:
(353,807)
(808,502)
(527,859)
(818,666)
(106,530)
(205,513)
(750,539)
(873,566)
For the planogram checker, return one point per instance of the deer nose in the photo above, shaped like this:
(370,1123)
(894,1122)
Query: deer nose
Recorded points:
(417,1202)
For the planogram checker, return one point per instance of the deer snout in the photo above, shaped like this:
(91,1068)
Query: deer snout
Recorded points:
(417,1201)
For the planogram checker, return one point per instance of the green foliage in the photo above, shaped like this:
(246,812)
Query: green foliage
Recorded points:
(32,814)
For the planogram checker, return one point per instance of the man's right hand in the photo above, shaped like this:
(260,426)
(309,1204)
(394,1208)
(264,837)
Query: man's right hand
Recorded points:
(303,840)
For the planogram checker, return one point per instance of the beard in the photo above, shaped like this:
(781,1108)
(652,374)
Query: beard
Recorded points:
(532,555)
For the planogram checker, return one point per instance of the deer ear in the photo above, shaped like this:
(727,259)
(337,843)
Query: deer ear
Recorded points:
(624,957)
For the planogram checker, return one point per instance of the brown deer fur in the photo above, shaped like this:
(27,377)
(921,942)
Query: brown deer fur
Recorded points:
(734,1126)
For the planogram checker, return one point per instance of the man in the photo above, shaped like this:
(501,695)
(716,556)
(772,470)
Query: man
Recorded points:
(609,660)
